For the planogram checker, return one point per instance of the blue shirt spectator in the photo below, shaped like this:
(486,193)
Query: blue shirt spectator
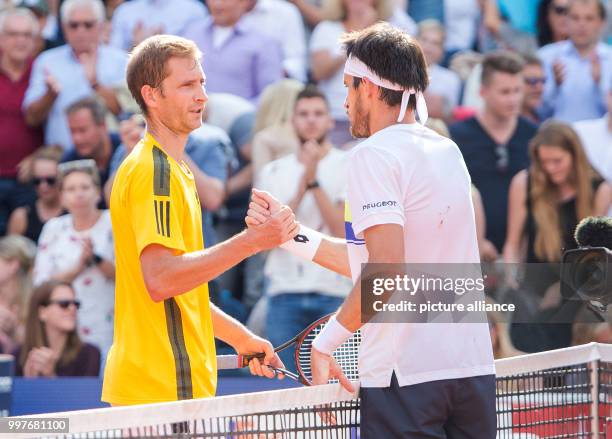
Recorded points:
(579,70)
(136,20)
(67,73)
(245,61)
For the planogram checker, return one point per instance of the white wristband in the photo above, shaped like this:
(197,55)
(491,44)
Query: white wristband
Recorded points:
(331,336)
(305,244)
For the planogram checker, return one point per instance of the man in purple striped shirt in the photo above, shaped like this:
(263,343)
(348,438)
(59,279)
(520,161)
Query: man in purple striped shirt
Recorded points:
(241,60)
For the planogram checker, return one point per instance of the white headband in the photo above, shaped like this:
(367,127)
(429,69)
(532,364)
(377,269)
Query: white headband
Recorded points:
(355,67)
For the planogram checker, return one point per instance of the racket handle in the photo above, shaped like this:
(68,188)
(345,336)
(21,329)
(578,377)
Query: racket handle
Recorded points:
(235,361)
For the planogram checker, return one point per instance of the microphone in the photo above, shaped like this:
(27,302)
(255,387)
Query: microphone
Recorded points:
(594,231)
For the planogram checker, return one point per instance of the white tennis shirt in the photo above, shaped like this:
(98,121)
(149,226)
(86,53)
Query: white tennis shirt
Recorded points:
(407,174)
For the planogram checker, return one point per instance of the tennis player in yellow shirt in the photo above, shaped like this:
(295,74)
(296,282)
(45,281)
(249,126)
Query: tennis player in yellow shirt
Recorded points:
(165,325)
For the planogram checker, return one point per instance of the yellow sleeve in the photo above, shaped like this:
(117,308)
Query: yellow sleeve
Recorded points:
(155,204)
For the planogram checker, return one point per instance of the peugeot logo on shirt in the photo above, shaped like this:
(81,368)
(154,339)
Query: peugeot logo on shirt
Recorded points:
(389,203)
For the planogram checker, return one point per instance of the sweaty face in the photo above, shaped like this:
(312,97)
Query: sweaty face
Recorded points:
(356,110)
(503,94)
(182,96)
(311,119)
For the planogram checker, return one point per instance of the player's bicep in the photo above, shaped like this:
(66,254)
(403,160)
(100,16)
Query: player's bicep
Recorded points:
(385,243)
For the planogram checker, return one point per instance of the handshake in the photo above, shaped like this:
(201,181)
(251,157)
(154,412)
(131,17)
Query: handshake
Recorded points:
(269,223)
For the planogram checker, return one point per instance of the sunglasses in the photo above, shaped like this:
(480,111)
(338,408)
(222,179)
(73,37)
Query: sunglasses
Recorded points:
(49,180)
(559,10)
(65,304)
(535,81)
(74,25)
(501,163)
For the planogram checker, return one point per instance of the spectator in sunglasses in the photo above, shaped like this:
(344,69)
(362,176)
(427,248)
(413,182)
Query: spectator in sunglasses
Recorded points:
(52,346)
(30,219)
(533,73)
(552,21)
(78,248)
(83,67)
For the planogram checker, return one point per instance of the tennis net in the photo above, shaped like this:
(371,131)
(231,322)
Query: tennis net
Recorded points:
(558,394)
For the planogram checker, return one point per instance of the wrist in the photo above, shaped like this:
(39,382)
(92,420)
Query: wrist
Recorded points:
(247,242)
(312,184)
(331,336)
(305,244)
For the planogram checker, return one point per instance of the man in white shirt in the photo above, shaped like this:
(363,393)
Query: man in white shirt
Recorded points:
(282,21)
(596,137)
(408,203)
(311,182)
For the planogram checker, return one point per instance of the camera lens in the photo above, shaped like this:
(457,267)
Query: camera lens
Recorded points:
(590,275)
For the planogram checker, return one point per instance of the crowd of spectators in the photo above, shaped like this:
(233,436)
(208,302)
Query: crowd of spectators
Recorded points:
(524,87)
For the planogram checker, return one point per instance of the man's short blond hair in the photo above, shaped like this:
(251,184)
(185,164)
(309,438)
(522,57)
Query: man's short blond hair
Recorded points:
(148,63)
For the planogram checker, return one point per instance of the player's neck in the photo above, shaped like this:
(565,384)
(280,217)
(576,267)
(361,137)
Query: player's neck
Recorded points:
(171,142)
(383,117)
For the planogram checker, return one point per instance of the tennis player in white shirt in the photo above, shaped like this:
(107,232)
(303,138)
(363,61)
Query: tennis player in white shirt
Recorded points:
(408,202)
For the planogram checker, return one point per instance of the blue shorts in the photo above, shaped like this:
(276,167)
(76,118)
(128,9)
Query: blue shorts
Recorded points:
(447,409)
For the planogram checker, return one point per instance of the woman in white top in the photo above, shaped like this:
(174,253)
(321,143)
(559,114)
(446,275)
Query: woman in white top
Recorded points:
(327,57)
(78,248)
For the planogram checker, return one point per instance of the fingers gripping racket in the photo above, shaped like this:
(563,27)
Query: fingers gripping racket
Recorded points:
(346,354)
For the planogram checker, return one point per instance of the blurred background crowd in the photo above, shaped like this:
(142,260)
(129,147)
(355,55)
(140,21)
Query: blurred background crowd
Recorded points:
(524,87)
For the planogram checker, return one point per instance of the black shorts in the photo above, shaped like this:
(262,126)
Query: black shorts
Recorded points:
(447,409)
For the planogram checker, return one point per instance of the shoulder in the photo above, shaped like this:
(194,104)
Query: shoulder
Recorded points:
(520,182)
(286,163)
(464,127)
(326,28)
(113,53)
(552,49)
(126,9)
(526,127)
(89,350)
(55,55)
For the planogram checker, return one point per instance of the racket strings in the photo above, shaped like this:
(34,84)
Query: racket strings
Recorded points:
(347,354)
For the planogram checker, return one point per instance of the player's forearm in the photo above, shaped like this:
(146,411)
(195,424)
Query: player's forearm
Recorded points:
(228,329)
(168,276)
(333,255)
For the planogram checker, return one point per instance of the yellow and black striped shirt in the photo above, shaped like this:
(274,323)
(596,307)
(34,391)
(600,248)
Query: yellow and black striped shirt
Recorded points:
(161,351)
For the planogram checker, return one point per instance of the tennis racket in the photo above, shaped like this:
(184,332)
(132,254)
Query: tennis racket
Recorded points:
(346,354)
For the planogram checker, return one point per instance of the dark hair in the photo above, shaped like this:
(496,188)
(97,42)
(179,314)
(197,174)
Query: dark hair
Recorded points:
(531,60)
(393,55)
(600,7)
(95,107)
(311,91)
(35,335)
(545,35)
(501,61)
